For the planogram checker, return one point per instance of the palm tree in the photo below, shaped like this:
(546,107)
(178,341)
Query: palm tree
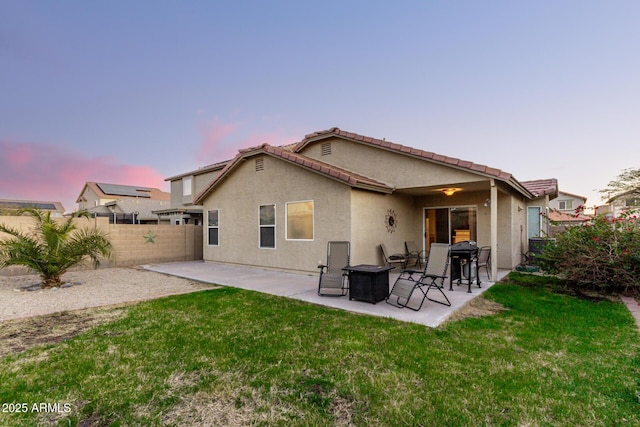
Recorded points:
(53,246)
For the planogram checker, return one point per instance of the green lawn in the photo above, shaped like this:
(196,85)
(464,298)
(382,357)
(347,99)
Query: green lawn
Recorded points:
(235,357)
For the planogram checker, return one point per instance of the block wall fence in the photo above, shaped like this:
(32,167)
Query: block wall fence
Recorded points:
(132,244)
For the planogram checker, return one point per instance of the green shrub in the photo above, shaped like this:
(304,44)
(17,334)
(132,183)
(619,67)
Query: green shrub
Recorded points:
(603,253)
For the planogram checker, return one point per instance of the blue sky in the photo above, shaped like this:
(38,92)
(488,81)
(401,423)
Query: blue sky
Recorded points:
(133,92)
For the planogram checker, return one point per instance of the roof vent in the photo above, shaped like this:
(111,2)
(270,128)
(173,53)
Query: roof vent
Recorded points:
(259,164)
(326,148)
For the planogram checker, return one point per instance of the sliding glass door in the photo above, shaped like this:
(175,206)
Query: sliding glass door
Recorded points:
(450,225)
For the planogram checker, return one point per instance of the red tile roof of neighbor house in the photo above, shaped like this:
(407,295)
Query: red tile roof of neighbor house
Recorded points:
(541,187)
(555,215)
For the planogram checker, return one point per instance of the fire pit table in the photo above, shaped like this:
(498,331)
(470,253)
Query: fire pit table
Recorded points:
(368,283)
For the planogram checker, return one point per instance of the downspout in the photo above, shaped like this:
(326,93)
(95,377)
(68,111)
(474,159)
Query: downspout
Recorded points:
(494,230)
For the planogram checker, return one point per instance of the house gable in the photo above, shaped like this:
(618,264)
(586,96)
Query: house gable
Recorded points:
(266,180)
(309,164)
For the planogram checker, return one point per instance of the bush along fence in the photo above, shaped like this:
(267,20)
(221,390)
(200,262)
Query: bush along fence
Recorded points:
(132,244)
(603,254)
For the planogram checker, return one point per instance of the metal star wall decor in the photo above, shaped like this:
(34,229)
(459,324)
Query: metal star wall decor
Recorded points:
(150,237)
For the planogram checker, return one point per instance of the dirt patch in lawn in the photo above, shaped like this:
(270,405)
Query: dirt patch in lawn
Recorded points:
(21,334)
(477,307)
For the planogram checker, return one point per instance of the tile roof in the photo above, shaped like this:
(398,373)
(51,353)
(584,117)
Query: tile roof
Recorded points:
(556,215)
(541,187)
(427,155)
(291,153)
(330,171)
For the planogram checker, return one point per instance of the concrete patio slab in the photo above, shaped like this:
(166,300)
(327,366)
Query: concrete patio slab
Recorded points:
(305,287)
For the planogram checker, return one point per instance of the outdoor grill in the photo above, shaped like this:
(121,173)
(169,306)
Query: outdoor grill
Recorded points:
(464,255)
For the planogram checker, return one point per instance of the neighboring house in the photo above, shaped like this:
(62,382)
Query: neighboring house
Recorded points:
(617,205)
(122,204)
(278,207)
(563,212)
(9,206)
(567,202)
(184,187)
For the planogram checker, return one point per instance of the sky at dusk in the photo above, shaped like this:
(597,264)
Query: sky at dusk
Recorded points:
(133,92)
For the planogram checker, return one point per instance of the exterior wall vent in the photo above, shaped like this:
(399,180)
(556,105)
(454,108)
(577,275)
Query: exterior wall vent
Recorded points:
(259,164)
(326,148)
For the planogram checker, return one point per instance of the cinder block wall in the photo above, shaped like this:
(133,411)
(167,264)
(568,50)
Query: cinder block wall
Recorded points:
(145,244)
(132,244)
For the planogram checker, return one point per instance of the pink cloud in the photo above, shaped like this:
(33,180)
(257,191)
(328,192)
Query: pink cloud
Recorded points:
(221,141)
(51,173)
(215,144)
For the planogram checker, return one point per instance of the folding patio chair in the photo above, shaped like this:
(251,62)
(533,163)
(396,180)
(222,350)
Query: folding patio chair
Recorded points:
(432,277)
(390,260)
(331,275)
(484,259)
(413,253)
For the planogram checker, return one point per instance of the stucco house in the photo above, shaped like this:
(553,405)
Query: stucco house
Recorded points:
(567,202)
(123,204)
(618,205)
(277,207)
(563,212)
(184,188)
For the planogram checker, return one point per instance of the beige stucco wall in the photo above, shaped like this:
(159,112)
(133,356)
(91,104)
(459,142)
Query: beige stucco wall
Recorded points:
(130,246)
(238,201)
(198,183)
(395,169)
(369,230)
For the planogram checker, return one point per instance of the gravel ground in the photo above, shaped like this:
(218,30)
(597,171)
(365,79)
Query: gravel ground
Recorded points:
(88,288)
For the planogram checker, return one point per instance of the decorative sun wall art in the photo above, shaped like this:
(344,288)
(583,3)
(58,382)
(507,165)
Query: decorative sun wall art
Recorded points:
(391,221)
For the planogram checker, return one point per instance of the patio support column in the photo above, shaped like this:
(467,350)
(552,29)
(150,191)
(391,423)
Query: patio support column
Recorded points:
(494,230)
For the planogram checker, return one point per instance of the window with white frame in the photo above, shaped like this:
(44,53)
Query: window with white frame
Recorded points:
(267,226)
(300,220)
(186,186)
(213,227)
(565,205)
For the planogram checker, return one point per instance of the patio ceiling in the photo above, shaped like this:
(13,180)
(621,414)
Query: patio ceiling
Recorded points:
(466,187)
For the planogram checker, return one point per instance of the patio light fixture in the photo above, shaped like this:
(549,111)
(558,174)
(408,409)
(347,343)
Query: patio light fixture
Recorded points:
(450,191)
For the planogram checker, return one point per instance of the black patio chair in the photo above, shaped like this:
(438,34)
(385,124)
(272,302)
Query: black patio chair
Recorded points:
(413,253)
